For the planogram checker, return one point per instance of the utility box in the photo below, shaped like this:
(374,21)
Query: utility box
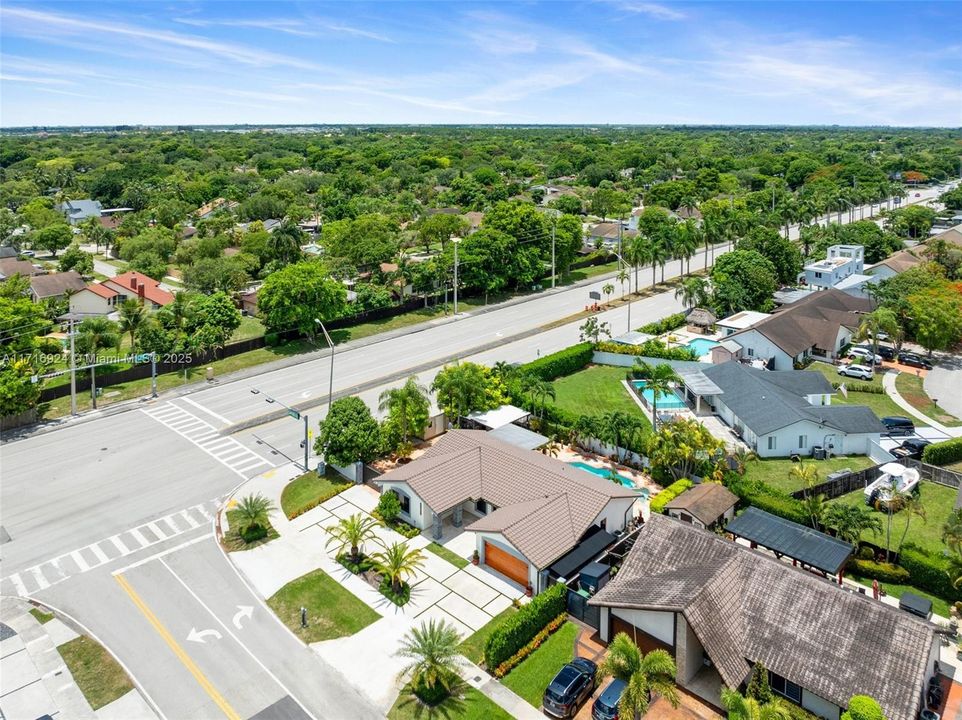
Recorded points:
(594,576)
(210,373)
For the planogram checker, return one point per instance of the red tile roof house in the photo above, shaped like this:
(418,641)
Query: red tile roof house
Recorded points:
(527,510)
(95,299)
(137,285)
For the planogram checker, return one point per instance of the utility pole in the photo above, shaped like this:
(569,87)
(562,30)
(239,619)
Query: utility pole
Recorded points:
(456,242)
(307,445)
(73,372)
(553,272)
(330,344)
(153,374)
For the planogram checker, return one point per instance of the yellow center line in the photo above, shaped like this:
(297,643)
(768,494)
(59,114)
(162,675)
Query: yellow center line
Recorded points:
(178,650)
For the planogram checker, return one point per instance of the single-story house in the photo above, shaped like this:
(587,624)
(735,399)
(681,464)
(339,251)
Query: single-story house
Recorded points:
(781,413)
(719,607)
(894,264)
(700,320)
(132,284)
(707,505)
(248,300)
(820,325)
(687,213)
(12,266)
(609,232)
(526,509)
(76,211)
(94,299)
(207,210)
(739,321)
(55,285)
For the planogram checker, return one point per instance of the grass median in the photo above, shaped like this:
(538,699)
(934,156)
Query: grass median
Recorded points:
(309,490)
(443,552)
(332,610)
(99,677)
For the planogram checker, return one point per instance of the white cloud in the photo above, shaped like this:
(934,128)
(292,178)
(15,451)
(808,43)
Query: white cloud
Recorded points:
(658,11)
(305,27)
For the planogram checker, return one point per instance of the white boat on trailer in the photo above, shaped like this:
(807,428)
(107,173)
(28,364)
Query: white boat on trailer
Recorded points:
(903,479)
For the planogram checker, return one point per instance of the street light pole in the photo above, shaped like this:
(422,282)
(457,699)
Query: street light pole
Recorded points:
(291,412)
(456,242)
(330,344)
(553,271)
(73,372)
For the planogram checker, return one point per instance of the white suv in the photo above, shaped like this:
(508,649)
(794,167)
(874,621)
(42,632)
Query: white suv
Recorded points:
(860,372)
(863,354)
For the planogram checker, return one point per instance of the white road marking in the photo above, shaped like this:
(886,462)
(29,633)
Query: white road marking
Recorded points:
(18,584)
(81,563)
(161,535)
(170,521)
(157,556)
(206,410)
(119,544)
(101,555)
(139,537)
(188,519)
(38,576)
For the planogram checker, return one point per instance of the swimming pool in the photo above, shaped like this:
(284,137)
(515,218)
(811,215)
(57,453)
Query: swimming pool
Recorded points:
(701,346)
(665,402)
(606,474)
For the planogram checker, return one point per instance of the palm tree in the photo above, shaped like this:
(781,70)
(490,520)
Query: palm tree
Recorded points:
(693,291)
(403,402)
(687,241)
(623,277)
(895,502)
(881,319)
(660,255)
(642,675)
(742,456)
(539,390)
(433,651)
(133,316)
(743,708)
(660,379)
(607,289)
(397,562)
(807,475)
(352,532)
(93,335)
(253,511)
(911,507)
(952,532)
(285,242)
(850,521)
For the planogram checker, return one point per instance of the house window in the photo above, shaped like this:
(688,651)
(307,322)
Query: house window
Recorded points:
(802,442)
(818,275)
(784,687)
(751,352)
(405,502)
(771,442)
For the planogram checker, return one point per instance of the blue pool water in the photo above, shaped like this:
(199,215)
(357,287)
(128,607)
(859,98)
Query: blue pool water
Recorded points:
(602,473)
(665,402)
(701,346)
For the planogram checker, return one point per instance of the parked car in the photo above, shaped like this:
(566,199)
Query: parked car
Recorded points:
(862,372)
(887,353)
(864,354)
(27,253)
(605,706)
(573,684)
(911,448)
(914,360)
(896,425)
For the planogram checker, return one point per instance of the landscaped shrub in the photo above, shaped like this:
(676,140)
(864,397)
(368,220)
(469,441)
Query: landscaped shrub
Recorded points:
(668,494)
(664,325)
(564,362)
(770,499)
(883,572)
(253,534)
(651,349)
(389,506)
(860,387)
(536,642)
(272,340)
(866,553)
(398,526)
(863,707)
(929,572)
(943,453)
(521,628)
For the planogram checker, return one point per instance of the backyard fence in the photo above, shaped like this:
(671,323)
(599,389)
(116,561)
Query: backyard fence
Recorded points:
(859,479)
(579,609)
(936,474)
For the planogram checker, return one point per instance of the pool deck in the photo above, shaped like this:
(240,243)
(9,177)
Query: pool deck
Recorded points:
(568,454)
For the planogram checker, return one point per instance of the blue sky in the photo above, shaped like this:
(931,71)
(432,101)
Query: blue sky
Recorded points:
(605,61)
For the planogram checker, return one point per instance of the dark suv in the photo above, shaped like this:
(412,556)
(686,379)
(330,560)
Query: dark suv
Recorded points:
(911,448)
(606,705)
(571,686)
(914,360)
(895,425)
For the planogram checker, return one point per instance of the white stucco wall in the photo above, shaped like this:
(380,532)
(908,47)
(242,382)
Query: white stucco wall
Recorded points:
(86,302)
(658,624)
(420,515)
(758,346)
(820,706)
(615,513)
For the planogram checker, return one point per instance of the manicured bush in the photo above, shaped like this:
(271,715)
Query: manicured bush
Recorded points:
(861,387)
(668,494)
(863,707)
(651,349)
(389,506)
(536,642)
(943,453)
(664,325)
(929,572)
(883,572)
(522,627)
(253,534)
(564,362)
(770,499)
(866,553)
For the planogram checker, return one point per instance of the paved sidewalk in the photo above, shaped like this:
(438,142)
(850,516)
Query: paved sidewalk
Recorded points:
(511,703)
(35,681)
(888,383)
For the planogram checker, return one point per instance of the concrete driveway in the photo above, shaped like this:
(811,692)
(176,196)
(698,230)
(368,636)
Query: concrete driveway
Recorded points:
(944,383)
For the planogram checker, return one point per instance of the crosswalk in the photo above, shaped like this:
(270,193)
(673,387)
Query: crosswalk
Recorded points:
(225,450)
(51,572)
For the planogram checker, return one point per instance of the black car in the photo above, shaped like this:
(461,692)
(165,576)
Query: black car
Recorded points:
(573,684)
(914,360)
(911,448)
(887,353)
(606,705)
(895,425)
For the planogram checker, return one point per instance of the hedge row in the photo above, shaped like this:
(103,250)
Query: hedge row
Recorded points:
(883,572)
(668,494)
(943,453)
(515,660)
(564,362)
(650,348)
(522,627)
(929,572)
(771,500)
(860,387)
(664,325)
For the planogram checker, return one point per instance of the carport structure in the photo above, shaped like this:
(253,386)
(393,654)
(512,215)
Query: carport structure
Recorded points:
(808,548)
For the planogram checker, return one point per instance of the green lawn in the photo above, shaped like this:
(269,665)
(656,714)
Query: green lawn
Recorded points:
(938,501)
(531,677)
(99,677)
(235,543)
(448,555)
(473,646)
(41,616)
(939,606)
(250,327)
(831,372)
(882,405)
(594,391)
(304,491)
(911,389)
(332,610)
(775,471)
(470,704)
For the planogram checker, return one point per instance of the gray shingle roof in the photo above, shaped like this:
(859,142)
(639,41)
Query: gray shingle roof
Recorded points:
(544,505)
(57,284)
(747,607)
(767,401)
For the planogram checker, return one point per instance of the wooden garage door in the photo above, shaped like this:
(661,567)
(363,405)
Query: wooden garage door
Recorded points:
(646,643)
(506,563)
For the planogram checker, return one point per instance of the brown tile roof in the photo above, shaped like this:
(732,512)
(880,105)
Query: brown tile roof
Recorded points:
(812,321)
(952,235)
(609,231)
(101,290)
(748,607)
(707,502)
(57,284)
(901,261)
(544,505)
